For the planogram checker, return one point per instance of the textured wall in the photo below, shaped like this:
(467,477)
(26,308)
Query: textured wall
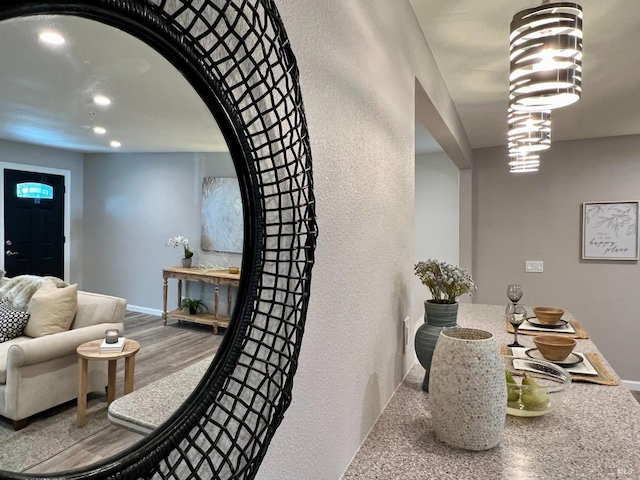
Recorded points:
(358,63)
(538,217)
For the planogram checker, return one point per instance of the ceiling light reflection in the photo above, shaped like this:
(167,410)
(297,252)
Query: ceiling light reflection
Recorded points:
(51,37)
(101,100)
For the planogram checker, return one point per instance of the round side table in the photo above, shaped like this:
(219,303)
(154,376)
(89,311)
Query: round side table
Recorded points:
(91,351)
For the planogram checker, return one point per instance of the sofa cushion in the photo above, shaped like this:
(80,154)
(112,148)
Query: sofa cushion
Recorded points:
(94,308)
(12,321)
(52,309)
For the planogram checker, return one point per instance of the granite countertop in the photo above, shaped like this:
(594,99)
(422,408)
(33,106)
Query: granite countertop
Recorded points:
(594,434)
(145,409)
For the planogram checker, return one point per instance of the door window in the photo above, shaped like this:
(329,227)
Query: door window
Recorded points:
(35,190)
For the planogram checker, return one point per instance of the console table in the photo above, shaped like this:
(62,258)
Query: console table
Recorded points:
(214,277)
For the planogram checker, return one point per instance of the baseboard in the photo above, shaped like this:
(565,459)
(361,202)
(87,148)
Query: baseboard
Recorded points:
(148,311)
(631,385)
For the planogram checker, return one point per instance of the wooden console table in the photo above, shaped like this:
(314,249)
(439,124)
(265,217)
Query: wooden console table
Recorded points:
(214,277)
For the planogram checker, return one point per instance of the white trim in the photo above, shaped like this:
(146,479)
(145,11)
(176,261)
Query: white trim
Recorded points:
(632,385)
(67,205)
(148,311)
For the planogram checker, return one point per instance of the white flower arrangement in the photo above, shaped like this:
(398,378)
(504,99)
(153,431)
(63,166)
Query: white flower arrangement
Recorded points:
(445,282)
(181,241)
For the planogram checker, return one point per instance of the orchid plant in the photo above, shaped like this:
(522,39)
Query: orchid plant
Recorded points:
(178,241)
(445,282)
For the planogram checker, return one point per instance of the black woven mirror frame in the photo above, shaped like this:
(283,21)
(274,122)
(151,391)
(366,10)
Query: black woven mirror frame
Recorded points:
(237,56)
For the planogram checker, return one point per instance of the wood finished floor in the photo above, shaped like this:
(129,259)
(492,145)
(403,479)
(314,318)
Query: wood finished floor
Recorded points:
(164,350)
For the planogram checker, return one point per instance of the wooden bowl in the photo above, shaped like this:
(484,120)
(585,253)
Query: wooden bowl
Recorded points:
(554,347)
(548,315)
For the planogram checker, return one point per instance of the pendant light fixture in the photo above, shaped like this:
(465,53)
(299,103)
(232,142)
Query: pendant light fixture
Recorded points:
(546,57)
(528,131)
(524,164)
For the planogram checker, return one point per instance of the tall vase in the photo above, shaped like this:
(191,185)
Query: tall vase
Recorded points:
(437,316)
(467,389)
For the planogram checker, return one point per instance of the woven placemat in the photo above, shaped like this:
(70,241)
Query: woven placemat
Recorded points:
(604,377)
(580,332)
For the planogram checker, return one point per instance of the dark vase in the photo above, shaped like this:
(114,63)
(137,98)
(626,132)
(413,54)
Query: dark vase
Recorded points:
(192,310)
(437,316)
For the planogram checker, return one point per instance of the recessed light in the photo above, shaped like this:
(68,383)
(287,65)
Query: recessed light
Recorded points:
(51,37)
(99,130)
(101,100)
(115,144)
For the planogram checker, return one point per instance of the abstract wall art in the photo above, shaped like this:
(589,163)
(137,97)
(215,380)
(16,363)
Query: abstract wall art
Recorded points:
(222,224)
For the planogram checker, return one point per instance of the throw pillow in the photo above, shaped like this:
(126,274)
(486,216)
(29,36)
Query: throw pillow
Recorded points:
(12,321)
(52,309)
(18,290)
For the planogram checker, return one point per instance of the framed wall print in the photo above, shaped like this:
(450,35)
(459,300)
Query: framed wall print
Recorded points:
(610,230)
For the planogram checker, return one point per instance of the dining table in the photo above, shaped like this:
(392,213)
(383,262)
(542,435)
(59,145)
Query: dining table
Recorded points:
(593,434)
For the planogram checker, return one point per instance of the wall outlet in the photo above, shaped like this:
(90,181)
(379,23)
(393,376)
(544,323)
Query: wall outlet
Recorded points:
(534,266)
(405,334)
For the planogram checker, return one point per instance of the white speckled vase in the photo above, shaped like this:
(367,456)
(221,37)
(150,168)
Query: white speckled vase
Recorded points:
(467,389)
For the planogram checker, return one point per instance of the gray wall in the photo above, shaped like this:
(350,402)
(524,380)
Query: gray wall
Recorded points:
(437,221)
(538,217)
(133,204)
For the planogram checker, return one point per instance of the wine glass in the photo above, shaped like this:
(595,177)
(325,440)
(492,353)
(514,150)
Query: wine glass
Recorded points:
(514,292)
(516,314)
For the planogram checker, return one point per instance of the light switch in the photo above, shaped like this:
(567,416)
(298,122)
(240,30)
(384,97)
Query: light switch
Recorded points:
(534,266)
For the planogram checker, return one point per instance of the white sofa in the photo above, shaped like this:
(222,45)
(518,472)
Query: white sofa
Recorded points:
(39,373)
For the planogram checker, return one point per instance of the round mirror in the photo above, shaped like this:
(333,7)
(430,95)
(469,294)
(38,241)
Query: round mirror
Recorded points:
(169,173)
(237,58)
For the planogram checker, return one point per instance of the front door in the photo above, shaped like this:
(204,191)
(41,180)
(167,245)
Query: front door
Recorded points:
(33,223)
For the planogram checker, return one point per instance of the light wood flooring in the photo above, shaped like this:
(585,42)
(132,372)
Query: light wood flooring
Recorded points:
(164,350)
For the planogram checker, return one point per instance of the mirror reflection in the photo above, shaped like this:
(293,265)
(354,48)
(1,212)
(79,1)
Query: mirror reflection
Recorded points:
(121,212)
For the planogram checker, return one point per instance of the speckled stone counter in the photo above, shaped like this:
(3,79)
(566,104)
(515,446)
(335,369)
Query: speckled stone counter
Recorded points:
(593,435)
(145,409)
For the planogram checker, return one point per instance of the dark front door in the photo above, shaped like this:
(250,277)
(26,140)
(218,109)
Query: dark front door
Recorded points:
(33,223)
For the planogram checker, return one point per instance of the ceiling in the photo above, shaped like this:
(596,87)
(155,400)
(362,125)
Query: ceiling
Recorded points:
(46,92)
(470,42)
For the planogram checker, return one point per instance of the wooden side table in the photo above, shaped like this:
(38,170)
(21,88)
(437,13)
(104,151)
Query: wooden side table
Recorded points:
(91,351)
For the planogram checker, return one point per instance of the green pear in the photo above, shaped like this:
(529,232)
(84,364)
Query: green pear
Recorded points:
(513,390)
(533,396)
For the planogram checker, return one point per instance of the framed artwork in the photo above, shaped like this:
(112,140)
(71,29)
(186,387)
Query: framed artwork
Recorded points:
(610,230)
(222,222)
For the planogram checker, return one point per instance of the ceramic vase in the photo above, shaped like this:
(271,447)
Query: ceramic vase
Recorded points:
(186,262)
(437,316)
(467,389)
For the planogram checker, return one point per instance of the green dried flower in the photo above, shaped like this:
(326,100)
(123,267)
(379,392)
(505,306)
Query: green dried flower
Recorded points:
(446,282)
